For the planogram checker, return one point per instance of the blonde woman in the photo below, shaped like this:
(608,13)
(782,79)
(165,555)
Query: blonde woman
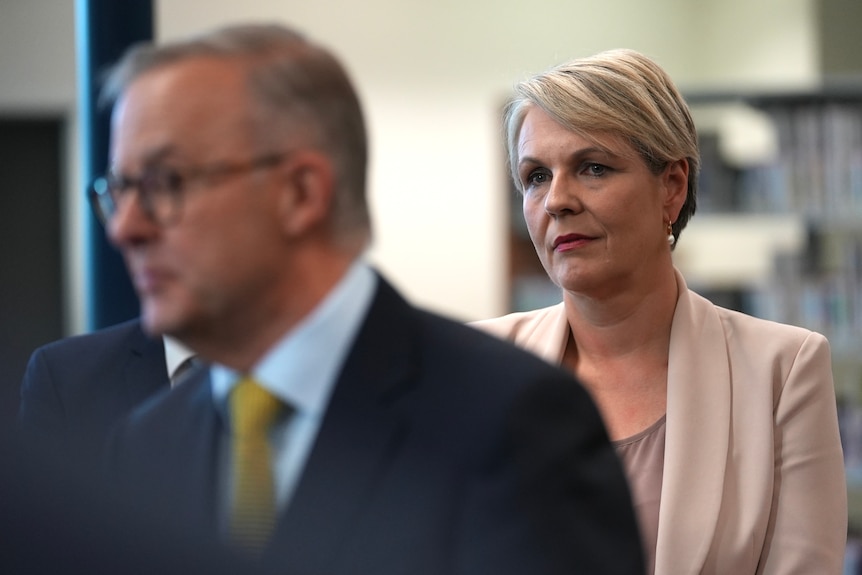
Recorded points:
(726,424)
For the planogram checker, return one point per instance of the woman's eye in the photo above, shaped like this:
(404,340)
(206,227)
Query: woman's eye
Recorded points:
(537,178)
(593,169)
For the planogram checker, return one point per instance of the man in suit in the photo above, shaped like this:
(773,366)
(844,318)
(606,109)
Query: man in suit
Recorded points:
(78,387)
(396,441)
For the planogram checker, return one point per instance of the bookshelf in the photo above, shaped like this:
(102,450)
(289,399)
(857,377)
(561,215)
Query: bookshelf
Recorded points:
(813,181)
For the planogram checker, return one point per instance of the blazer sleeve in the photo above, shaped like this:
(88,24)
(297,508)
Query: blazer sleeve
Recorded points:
(41,407)
(808,525)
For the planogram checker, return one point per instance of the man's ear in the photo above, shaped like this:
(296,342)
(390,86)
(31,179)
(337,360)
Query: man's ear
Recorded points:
(307,191)
(675,179)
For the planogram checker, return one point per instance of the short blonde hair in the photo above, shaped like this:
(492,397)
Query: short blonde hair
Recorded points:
(619,92)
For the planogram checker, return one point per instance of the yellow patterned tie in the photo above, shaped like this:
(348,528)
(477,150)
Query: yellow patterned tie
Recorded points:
(253,509)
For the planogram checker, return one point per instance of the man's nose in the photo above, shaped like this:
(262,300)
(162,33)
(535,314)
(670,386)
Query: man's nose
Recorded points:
(130,223)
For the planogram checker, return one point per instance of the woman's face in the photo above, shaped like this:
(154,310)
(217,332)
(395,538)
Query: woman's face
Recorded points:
(596,214)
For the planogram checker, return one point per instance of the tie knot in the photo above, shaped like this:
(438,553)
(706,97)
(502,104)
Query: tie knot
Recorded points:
(253,408)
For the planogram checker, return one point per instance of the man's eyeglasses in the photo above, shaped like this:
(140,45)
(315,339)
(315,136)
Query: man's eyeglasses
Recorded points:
(161,190)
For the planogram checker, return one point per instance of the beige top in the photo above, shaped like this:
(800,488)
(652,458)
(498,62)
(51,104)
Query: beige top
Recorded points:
(642,456)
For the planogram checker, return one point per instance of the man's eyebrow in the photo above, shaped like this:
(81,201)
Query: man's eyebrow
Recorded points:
(153,157)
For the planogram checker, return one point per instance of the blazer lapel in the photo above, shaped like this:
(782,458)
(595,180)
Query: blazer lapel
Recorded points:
(549,336)
(356,439)
(698,427)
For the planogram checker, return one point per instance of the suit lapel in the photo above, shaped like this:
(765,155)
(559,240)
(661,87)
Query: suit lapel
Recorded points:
(172,453)
(201,434)
(145,372)
(356,440)
(698,428)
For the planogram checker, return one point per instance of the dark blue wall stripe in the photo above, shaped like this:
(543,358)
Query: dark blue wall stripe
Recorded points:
(105,29)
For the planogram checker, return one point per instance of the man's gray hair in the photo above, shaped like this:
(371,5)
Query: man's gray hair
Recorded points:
(301,88)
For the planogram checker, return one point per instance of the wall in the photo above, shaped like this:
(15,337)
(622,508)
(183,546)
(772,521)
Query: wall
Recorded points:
(37,78)
(432,76)
(755,44)
(37,54)
(841,54)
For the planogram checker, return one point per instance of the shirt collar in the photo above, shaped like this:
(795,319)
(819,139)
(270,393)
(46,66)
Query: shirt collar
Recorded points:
(175,354)
(301,368)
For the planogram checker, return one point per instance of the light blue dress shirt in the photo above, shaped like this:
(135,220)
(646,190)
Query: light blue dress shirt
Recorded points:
(301,370)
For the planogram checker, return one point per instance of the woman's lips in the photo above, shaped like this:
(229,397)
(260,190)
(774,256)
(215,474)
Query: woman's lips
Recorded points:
(570,241)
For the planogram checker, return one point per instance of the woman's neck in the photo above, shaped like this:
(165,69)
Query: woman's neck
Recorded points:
(618,348)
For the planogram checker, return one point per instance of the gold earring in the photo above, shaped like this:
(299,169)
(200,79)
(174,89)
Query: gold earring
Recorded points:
(671,239)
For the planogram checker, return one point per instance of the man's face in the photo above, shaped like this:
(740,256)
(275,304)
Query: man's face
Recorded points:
(216,268)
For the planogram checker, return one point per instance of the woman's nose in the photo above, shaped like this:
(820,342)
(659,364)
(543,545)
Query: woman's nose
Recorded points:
(562,197)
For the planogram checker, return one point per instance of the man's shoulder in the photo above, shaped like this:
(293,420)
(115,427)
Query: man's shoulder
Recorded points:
(451,346)
(473,340)
(120,335)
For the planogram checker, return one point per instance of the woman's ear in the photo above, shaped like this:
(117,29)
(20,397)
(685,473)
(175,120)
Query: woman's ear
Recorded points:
(307,188)
(675,179)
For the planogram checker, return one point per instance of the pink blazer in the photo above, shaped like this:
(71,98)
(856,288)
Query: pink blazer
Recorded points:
(753,474)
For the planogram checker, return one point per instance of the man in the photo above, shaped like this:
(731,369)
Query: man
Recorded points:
(396,441)
(78,387)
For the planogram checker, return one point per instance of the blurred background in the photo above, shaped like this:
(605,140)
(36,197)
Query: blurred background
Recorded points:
(775,86)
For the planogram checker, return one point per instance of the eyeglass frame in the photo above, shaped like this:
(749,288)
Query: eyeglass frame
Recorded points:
(106,191)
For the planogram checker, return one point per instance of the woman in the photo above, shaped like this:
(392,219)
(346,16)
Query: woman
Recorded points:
(726,424)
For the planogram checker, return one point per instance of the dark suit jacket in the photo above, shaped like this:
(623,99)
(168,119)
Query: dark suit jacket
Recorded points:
(443,451)
(58,516)
(58,512)
(77,388)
